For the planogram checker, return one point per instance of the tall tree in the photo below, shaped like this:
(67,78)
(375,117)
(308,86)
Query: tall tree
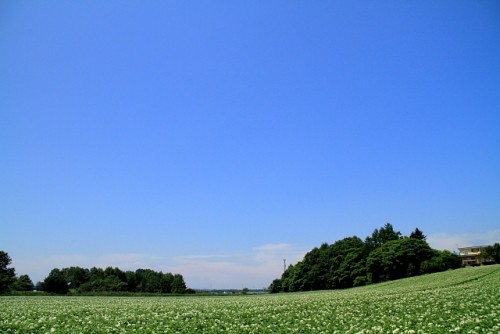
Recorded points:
(55,282)
(23,283)
(148,280)
(417,234)
(76,276)
(440,261)
(398,259)
(7,275)
(493,252)
(275,286)
(178,285)
(380,237)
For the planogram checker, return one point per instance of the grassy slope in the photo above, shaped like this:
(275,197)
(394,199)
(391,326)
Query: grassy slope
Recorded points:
(450,279)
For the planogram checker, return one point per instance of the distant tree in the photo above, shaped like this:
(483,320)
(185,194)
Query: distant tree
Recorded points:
(23,283)
(417,234)
(56,282)
(190,291)
(349,263)
(96,273)
(148,280)
(295,278)
(131,281)
(112,280)
(7,275)
(385,255)
(289,279)
(493,252)
(113,283)
(440,261)
(166,282)
(275,286)
(39,286)
(178,284)
(398,259)
(336,266)
(381,236)
(99,280)
(76,276)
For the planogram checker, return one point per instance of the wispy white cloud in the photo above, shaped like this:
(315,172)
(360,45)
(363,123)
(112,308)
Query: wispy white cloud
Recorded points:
(451,241)
(255,268)
(275,247)
(195,258)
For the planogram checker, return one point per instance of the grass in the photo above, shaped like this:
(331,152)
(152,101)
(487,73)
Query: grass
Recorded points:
(460,301)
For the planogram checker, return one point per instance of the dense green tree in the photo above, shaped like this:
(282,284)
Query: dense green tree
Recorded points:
(131,281)
(113,280)
(23,283)
(96,273)
(397,259)
(417,234)
(381,236)
(289,279)
(385,255)
(148,280)
(39,286)
(76,276)
(166,282)
(493,252)
(349,263)
(7,275)
(440,261)
(56,282)
(340,265)
(178,284)
(275,286)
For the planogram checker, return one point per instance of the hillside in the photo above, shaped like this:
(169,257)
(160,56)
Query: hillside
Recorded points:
(473,277)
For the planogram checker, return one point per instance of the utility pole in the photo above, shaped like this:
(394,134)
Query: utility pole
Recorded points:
(284,265)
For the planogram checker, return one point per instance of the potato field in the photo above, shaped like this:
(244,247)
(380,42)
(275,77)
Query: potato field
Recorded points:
(460,301)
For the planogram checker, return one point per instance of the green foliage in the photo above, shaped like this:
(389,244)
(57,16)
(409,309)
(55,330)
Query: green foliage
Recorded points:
(385,255)
(493,252)
(56,282)
(7,275)
(76,276)
(178,285)
(23,283)
(440,261)
(380,237)
(275,286)
(398,259)
(417,234)
(98,280)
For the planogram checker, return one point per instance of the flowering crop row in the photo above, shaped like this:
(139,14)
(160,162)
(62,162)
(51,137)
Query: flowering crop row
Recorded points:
(460,301)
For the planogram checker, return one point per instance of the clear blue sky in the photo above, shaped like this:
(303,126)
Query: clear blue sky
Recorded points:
(215,138)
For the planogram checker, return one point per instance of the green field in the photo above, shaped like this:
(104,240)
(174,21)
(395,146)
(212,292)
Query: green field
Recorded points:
(460,301)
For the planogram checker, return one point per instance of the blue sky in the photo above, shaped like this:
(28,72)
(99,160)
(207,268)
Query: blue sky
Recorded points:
(216,138)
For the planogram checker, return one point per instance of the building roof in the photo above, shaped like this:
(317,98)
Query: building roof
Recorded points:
(468,247)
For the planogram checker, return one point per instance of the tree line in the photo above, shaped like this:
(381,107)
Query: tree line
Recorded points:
(8,279)
(111,279)
(382,256)
(94,280)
